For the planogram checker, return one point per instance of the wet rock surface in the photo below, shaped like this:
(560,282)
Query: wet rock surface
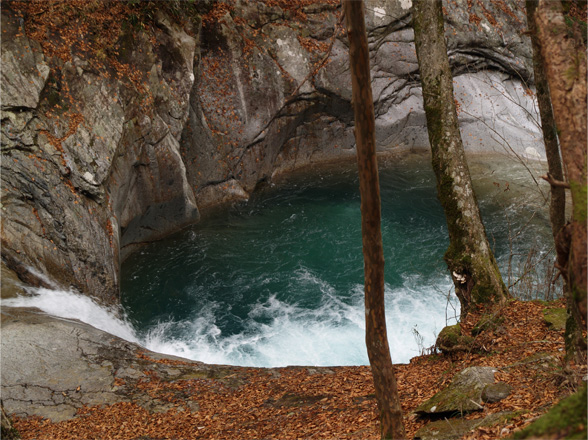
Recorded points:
(52,367)
(451,339)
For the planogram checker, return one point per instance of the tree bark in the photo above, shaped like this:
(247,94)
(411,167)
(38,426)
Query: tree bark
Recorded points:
(557,205)
(469,257)
(564,54)
(391,425)
(573,334)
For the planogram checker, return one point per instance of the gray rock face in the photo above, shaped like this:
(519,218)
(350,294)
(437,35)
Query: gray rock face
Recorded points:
(275,117)
(78,185)
(87,180)
(24,72)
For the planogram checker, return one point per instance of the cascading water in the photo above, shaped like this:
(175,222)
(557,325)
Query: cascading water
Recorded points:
(279,280)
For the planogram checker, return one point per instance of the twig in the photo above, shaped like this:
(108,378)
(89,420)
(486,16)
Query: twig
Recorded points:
(554,182)
(519,158)
(477,404)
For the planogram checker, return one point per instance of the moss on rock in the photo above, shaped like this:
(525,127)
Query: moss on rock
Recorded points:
(555,318)
(450,339)
(463,395)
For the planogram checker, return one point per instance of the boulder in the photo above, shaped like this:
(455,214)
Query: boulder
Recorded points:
(446,429)
(450,339)
(463,395)
(538,361)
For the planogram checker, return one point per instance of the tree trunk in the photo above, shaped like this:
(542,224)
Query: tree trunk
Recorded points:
(391,425)
(469,257)
(557,206)
(564,54)
(573,333)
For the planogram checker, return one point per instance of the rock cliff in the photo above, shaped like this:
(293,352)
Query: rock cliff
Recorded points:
(121,123)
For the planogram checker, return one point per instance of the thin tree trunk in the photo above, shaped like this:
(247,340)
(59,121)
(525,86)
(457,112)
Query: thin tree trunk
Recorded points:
(391,425)
(564,54)
(557,206)
(469,257)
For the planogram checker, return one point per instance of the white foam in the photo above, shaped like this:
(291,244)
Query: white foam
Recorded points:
(276,333)
(72,305)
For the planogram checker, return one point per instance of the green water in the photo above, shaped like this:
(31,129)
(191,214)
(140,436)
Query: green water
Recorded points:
(278,280)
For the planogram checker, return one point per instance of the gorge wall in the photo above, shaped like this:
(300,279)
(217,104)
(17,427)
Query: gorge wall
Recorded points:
(121,123)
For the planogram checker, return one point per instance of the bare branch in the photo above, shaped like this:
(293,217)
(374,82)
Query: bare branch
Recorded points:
(554,182)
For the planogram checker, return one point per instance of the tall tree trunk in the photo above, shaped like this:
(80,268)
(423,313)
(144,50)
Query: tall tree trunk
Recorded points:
(469,257)
(391,425)
(564,54)
(557,206)
(558,196)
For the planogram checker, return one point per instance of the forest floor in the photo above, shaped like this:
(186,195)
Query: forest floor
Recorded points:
(338,402)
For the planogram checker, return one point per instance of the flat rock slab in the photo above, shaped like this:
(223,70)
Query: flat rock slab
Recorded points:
(51,367)
(464,394)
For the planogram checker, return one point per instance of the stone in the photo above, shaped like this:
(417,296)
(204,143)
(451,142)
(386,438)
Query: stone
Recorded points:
(71,195)
(51,367)
(24,69)
(11,285)
(453,429)
(450,339)
(222,193)
(496,392)
(463,395)
(538,361)
(45,385)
